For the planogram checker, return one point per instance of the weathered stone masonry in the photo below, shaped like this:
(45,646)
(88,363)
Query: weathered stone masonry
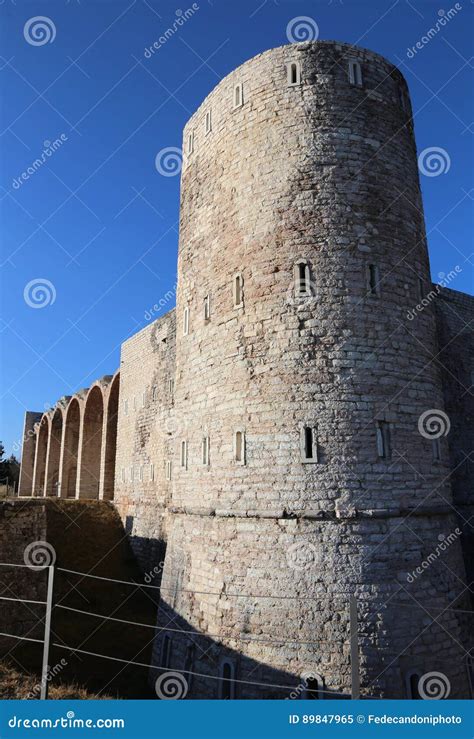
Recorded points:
(267,430)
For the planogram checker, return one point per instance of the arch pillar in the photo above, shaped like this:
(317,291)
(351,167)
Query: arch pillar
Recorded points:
(109,441)
(41,456)
(56,432)
(90,445)
(68,465)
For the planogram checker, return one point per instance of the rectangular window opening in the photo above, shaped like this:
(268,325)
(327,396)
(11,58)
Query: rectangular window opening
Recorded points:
(186,321)
(374,279)
(191,142)
(309,444)
(207,308)
(436,450)
(208,122)
(205,451)
(168,469)
(184,454)
(238,291)
(238,95)
(355,74)
(294,73)
(239,447)
(384,450)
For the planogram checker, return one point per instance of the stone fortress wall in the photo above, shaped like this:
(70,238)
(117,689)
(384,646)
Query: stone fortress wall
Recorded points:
(267,430)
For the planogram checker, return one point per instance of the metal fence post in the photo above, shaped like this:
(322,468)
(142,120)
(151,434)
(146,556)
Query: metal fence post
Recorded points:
(47,634)
(355,676)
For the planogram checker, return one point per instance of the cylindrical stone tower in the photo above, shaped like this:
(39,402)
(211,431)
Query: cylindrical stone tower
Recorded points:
(300,476)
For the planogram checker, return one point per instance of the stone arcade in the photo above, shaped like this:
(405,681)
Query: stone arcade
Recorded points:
(262,438)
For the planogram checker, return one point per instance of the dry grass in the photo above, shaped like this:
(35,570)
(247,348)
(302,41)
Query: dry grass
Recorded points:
(16,685)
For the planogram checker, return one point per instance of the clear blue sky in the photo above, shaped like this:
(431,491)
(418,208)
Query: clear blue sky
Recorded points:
(101,224)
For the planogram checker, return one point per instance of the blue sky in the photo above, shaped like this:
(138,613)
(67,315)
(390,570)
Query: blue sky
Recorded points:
(99,223)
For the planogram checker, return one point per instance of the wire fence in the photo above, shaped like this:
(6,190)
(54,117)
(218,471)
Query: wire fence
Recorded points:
(351,604)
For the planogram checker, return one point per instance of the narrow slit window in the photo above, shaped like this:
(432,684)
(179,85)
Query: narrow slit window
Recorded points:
(170,387)
(373,279)
(421,288)
(311,691)
(302,278)
(154,393)
(309,444)
(125,407)
(239,447)
(294,73)
(140,473)
(227,681)
(238,95)
(384,449)
(143,398)
(205,451)
(184,454)
(191,142)
(355,73)
(403,100)
(123,474)
(412,681)
(436,449)
(238,286)
(207,308)
(166,651)
(186,321)
(189,663)
(168,469)
(132,475)
(152,472)
(208,121)
(134,403)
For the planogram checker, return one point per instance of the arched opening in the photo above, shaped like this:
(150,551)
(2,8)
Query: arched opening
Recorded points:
(52,483)
(41,452)
(91,444)
(111,439)
(71,449)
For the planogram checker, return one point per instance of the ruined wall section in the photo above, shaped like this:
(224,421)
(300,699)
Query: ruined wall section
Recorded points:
(145,433)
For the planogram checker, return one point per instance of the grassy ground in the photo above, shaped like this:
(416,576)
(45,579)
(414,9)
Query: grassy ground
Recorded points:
(19,685)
